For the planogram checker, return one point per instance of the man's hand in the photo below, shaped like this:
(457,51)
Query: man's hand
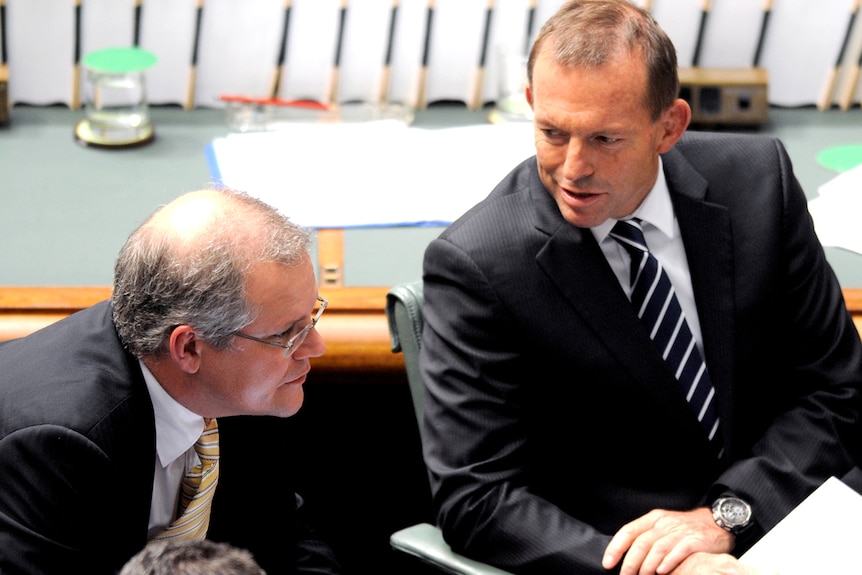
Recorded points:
(660,541)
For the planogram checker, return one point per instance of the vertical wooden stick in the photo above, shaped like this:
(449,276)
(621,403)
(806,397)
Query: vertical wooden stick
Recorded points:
(76,66)
(275,83)
(421,100)
(704,14)
(826,94)
(190,90)
(764,24)
(383,94)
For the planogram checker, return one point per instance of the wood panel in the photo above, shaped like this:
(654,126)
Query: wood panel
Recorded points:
(354,326)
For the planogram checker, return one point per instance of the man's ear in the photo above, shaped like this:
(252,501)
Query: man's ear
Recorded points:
(528,92)
(674,122)
(184,348)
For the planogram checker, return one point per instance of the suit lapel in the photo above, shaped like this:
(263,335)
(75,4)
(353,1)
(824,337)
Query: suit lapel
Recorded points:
(707,236)
(576,264)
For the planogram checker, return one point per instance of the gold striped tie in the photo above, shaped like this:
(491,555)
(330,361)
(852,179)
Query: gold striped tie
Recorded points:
(197,489)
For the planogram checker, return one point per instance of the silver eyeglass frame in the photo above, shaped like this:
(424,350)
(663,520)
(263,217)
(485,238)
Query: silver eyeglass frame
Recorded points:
(295,340)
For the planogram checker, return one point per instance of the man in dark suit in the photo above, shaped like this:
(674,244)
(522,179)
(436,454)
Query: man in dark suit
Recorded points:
(557,438)
(212,317)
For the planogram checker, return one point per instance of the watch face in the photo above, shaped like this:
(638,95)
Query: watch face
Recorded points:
(735,512)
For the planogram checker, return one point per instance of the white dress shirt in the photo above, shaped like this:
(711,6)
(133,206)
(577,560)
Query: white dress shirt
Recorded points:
(661,232)
(177,430)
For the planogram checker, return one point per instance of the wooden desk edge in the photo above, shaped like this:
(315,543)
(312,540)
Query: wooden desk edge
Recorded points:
(354,326)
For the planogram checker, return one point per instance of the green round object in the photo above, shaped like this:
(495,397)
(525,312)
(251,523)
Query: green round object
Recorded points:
(119,60)
(841,158)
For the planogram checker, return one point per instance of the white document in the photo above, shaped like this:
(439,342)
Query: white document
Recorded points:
(836,210)
(820,537)
(365,174)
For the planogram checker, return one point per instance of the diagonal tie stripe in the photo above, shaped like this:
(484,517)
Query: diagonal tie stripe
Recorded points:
(659,310)
(197,490)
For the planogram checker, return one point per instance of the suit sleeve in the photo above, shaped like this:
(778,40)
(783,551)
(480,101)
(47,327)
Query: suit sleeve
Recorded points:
(60,506)
(473,435)
(798,370)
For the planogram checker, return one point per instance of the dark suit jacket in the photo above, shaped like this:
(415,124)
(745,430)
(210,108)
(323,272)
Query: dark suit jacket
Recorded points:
(77,452)
(551,419)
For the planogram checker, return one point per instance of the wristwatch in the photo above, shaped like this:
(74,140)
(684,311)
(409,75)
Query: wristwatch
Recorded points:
(732,514)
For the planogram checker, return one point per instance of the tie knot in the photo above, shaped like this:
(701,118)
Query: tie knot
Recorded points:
(630,235)
(207,445)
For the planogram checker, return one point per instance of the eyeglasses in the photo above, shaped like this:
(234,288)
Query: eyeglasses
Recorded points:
(296,340)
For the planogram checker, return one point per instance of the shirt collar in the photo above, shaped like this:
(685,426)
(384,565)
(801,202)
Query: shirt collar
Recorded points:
(655,209)
(177,428)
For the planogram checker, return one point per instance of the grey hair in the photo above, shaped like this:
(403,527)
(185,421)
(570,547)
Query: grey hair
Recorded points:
(191,557)
(588,33)
(163,278)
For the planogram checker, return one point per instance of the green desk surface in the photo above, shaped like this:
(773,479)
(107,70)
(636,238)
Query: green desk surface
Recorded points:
(66,209)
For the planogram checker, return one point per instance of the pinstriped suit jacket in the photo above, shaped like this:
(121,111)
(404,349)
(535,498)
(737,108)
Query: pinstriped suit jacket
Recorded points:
(550,418)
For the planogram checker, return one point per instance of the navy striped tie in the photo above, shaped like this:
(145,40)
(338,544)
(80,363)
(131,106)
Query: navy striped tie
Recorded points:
(658,308)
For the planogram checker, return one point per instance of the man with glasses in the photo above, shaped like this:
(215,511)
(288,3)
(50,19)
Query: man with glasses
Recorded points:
(104,414)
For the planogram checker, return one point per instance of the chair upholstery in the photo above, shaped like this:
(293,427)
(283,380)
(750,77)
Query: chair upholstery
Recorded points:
(424,541)
(404,314)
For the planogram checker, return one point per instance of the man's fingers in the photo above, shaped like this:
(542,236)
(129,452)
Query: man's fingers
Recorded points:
(623,539)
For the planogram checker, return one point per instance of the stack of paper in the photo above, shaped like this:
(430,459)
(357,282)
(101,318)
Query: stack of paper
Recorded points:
(368,174)
(820,537)
(836,211)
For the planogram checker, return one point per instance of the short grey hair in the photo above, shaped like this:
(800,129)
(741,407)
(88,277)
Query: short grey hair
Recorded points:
(165,277)
(191,557)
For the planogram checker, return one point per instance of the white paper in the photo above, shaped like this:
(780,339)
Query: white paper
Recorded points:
(372,173)
(836,211)
(820,537)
